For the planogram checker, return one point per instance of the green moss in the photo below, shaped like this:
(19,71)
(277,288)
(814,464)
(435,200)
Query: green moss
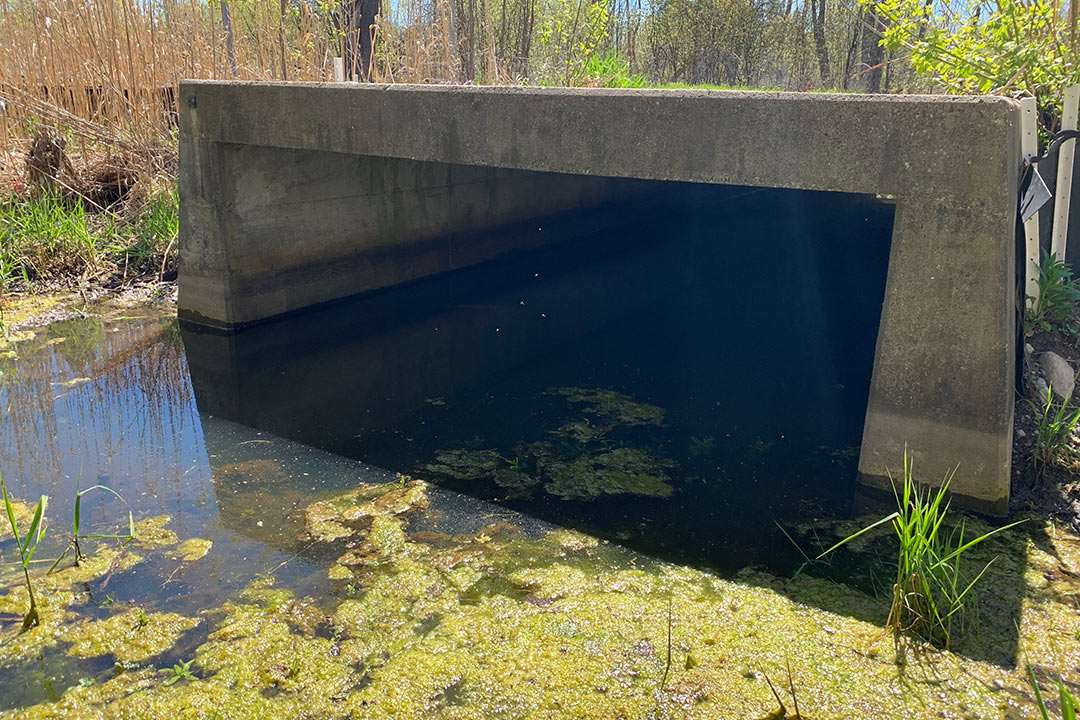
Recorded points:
(519,484)
(619,471)
(131,636)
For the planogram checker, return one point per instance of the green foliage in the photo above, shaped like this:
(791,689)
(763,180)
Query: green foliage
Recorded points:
(27,545)
(1059,297)
(76,522)
(1009,47)
(1054,423)
(611,71)
(931,590)
(44,236)
(154,228)
(1069,704)
(180,671)
(572,33)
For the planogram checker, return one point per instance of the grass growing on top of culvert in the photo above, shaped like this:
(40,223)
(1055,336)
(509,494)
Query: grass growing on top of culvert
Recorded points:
(45,237)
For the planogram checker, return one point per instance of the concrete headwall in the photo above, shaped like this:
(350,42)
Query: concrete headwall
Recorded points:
(296,194)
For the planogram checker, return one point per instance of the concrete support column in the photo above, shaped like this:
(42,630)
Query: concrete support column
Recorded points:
(943,382)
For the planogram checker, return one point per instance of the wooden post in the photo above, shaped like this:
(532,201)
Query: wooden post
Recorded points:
(339,69)
(1029,149)
(1063,191)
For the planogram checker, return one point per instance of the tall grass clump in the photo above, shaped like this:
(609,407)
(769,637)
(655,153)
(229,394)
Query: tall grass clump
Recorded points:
(46,236)
(27,545)
(1059,297)
(932,586)
(1054,425)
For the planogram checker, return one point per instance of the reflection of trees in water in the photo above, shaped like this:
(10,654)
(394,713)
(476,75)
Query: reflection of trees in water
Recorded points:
(108,397)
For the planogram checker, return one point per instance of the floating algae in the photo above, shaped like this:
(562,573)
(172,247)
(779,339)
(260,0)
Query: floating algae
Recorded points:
(192,549)
(344,515)
(465,464)
(59,591)
(624,470)
(501,624)
(613,407)
(584,469)
(132,636)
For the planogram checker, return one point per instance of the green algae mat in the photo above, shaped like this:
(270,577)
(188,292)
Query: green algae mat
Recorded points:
(512,622)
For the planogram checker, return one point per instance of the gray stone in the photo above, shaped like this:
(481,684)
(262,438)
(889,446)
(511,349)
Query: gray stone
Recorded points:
(295,194)
(1059,374)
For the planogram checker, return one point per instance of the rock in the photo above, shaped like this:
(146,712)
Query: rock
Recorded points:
(1021,434)
(1028,348)
(1059,373)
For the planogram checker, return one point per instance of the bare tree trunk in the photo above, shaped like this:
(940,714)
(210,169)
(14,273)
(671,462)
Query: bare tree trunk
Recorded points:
(873,53)
(226,24)
(818,11)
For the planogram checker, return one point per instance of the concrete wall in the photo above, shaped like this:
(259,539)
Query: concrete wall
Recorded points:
(943,375)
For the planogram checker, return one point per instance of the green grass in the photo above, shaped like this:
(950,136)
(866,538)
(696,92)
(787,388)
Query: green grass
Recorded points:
(932,589)
(76,528)
(1059,297)
(47,238)
(1054,424)
(27,545)
(1068,702)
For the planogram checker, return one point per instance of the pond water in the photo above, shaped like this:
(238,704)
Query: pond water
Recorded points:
(677,394)
(679,388)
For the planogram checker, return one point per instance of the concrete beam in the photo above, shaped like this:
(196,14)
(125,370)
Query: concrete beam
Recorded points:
(289,198)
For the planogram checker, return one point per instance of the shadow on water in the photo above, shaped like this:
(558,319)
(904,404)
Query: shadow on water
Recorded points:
(677,389)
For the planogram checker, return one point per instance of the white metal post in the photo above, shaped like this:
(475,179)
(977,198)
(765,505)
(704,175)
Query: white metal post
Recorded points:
(1063,191)
(1029,149)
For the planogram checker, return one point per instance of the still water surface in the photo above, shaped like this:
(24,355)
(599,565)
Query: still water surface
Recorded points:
(680,390)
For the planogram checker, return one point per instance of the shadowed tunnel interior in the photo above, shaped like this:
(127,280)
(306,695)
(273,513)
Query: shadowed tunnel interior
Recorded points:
(677,385)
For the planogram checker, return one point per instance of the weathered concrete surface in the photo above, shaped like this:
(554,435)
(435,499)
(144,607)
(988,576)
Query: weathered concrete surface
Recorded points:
(945,360)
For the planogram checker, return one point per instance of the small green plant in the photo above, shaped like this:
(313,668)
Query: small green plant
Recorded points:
(141,619)
(27,545)
(1054,424)
(76,535)
(1070,707)
(931,590)
(1059,297)
(180,671)
(611,71)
